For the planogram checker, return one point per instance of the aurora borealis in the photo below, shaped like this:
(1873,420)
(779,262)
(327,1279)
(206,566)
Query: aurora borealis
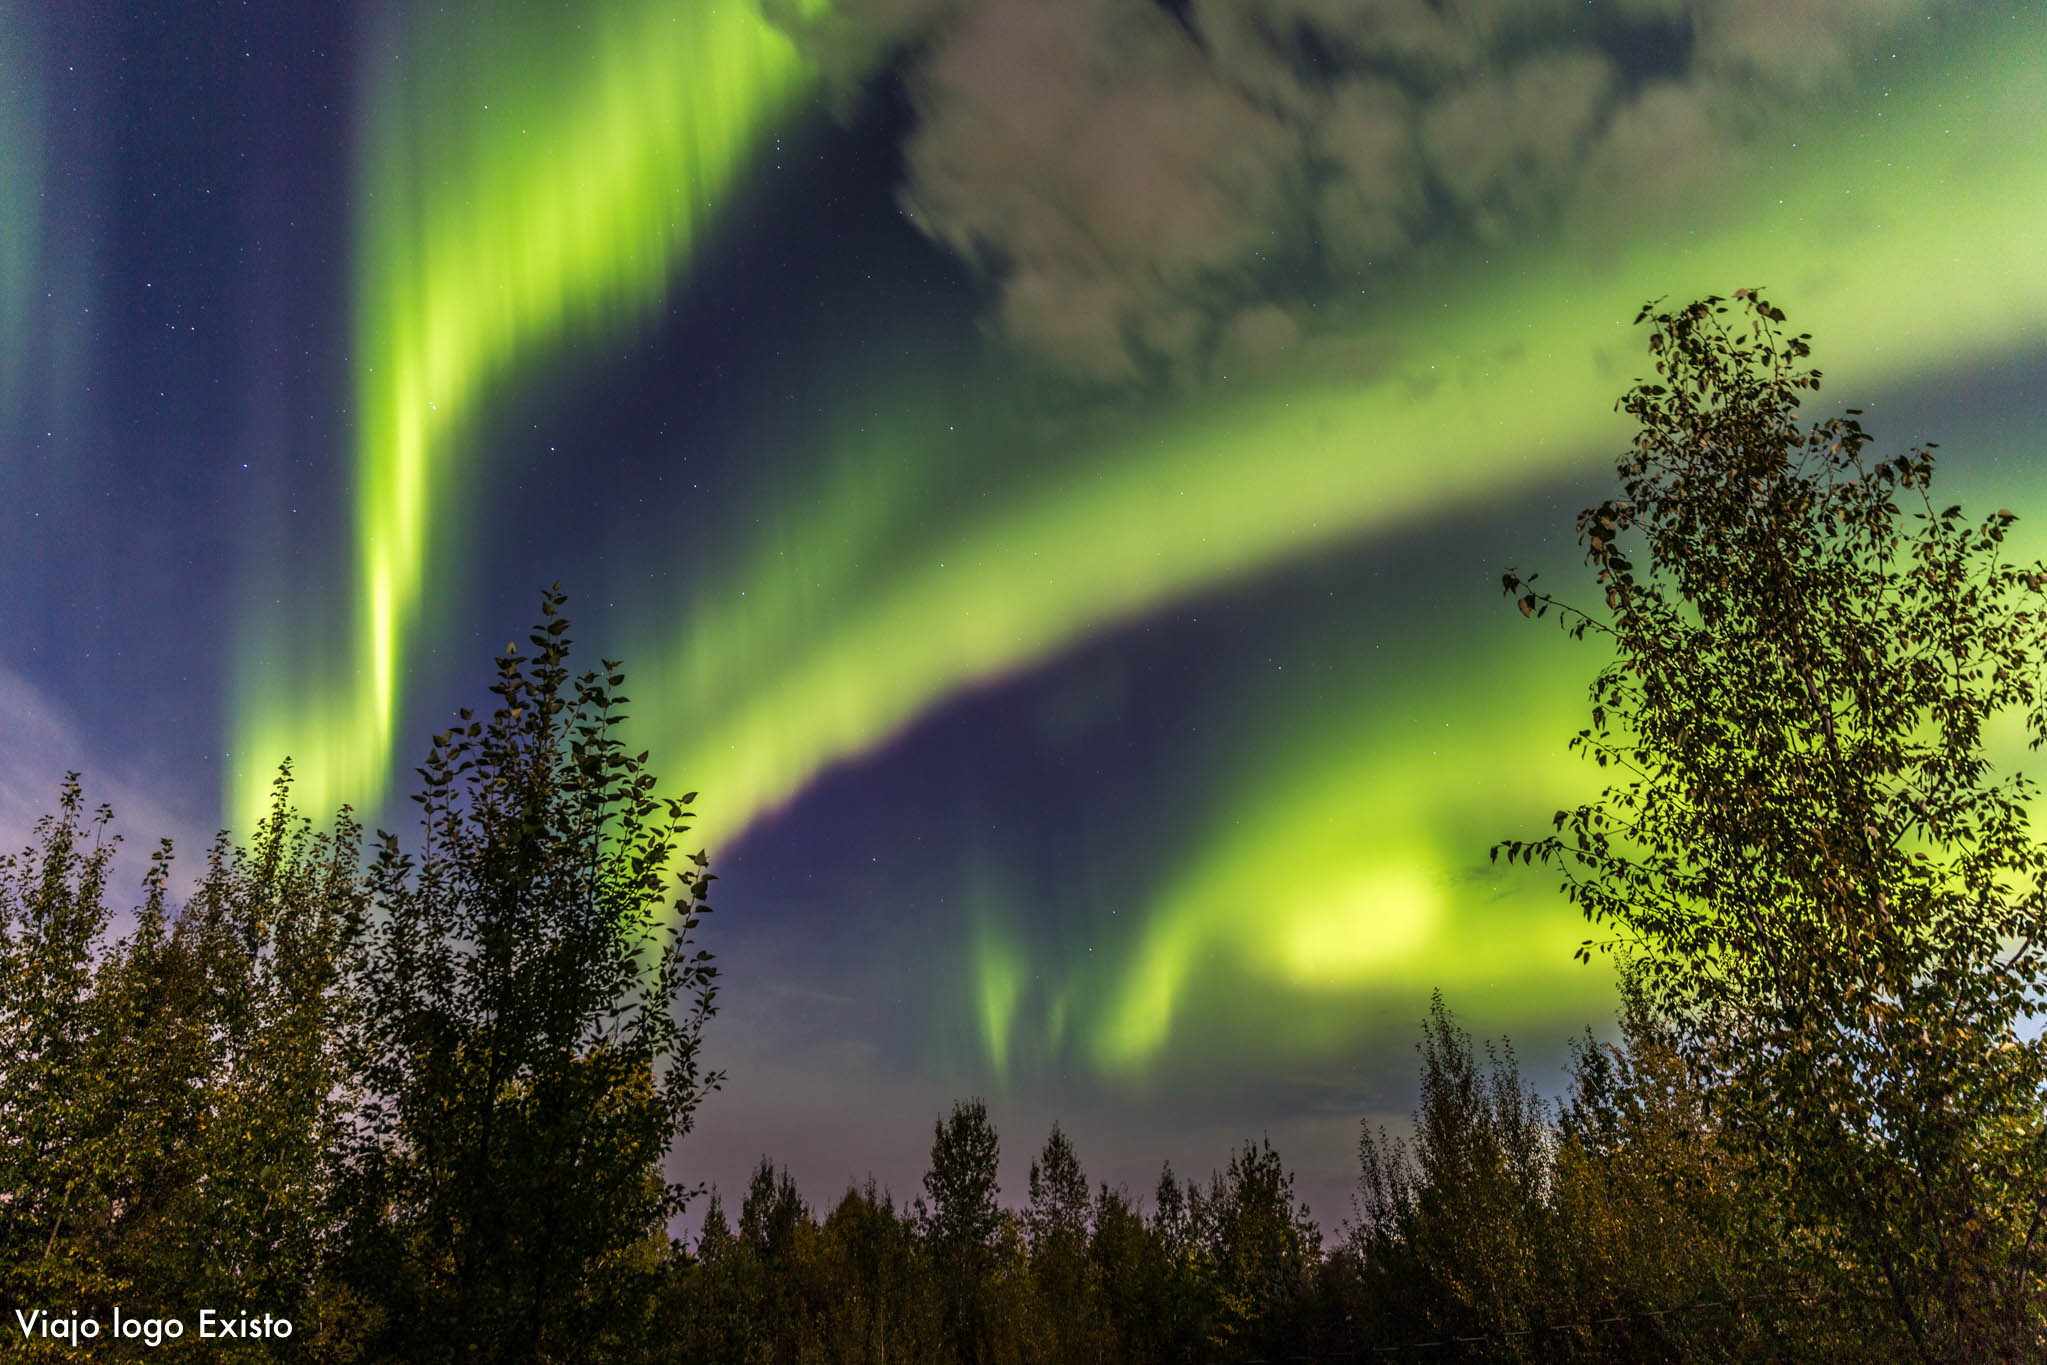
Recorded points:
(490,239)
(20,225)
(1080,619)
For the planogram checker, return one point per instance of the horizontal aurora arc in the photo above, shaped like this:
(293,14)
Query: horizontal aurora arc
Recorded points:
(1895,267)
(1180,507)
(1504,386)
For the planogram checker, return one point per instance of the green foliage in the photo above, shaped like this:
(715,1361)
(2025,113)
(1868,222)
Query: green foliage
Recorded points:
(527,1042)
(1056,1222)
(1450,1229)
(1833,900)
(172,1095)
(61,1162)
(1258,1250)
(1617,1227)
(421,1111)
(1057,1217)
(874,1283)
(962,1214)
(961,1219)
(874,1297)
(856,1288)
(230,1037)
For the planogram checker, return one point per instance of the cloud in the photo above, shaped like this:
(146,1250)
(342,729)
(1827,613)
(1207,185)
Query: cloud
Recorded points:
(1503,149)
(42,743)
(1140,188)
(1085,157)
(1799,46)
(1374,194)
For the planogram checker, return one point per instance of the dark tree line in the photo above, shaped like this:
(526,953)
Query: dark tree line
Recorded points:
(1620,1224)
(1831,898)
(1214,1273)
(420,1104)
(416,1104)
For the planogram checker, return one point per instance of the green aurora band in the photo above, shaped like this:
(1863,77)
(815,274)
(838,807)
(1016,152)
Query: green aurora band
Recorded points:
(529,180)
(1924,261)
(21,195)
(1337,876)
(1348,867)
(1903,230)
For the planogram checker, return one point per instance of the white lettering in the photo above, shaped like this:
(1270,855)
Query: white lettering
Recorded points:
(73,1329)
(152,1331)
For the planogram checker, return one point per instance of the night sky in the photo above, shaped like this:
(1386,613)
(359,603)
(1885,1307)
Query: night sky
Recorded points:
(1046,465)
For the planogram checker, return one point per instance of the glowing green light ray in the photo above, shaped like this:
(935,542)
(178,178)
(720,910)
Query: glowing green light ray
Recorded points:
(1908,244)
(1000,969)
(1341,871)
(21,193)
(528,179)
(1349,864)
(1334,871)
(1906,237)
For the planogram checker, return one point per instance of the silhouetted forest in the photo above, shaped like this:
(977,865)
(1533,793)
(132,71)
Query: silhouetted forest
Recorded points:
(419,1106)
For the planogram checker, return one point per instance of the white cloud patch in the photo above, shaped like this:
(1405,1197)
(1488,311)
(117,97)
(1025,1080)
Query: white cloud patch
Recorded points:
(1085,157)
(1504,149)
(1141,193)
(39,744)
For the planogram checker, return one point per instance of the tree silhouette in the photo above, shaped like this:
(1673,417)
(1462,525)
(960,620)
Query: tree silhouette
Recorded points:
(961,1219)
(1830,893)
(532,1007)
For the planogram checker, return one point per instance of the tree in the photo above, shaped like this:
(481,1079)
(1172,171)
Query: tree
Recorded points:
(857,1288)
(1452,1230)
(527,1050)
(1057,1214)
(876,1296)
(962,1219)
(1170,1220)
(1260,1250)
(775,1230)
(61,1166)
(1186,1298)
(1834,899)
(172,1097)
(1134,1282)
(229,1021)
(1056,1221)
(1623,1229)
(1662,1233)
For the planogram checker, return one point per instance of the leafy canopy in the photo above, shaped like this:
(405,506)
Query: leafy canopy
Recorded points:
(1805,849)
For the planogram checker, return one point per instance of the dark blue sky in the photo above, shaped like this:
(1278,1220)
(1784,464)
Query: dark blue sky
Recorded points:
(1057,491)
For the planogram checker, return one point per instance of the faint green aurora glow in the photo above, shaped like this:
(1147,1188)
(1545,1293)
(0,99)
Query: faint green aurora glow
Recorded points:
(1000,970)
(528,180)
(1349,864)
(1335,873)
(1903,231)
(21,194)
(1916,261)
